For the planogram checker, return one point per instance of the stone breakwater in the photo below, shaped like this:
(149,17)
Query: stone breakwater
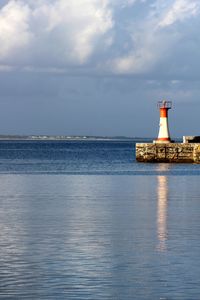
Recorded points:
(168,153)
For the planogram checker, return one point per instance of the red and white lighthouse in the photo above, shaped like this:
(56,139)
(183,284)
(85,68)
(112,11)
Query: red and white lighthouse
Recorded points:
(163,135)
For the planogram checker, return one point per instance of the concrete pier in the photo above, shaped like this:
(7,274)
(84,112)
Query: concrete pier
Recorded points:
(168,152)
(163,149)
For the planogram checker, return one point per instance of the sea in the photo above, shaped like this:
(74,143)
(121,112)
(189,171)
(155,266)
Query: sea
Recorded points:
(83,220)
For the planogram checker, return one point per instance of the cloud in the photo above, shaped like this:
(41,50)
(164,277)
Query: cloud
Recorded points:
(14,28)
(154,38)
(123,3)
(179,11)
(57,32)
(108,36)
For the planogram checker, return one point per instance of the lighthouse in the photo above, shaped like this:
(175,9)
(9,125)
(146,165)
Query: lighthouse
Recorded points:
(163,135)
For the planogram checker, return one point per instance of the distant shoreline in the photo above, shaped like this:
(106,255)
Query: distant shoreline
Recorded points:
(66,138)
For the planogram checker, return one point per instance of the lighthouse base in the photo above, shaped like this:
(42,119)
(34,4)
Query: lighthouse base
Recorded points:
(168,152)
(159,141)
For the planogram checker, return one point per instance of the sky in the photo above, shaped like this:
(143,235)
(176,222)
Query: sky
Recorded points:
(98,67)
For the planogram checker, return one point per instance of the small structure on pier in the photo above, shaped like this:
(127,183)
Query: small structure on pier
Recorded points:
(163,135)
(163,149)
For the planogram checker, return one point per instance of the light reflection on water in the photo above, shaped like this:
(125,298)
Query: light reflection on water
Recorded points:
(162,194)
(99,237)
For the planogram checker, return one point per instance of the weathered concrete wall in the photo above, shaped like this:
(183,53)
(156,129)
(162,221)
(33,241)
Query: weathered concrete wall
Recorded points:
(169,152)
(196,153)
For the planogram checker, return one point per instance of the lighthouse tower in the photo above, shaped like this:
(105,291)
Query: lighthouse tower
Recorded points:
(163,135)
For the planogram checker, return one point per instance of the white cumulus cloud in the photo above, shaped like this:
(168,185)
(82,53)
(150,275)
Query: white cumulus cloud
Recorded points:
(152,41)
(14,28)
(115,36)
(178,11)
(58,31)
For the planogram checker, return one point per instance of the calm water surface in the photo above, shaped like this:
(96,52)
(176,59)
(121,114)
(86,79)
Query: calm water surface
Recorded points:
(83,220)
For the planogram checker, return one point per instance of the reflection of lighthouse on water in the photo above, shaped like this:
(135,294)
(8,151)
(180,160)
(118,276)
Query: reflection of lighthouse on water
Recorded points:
(162,202)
